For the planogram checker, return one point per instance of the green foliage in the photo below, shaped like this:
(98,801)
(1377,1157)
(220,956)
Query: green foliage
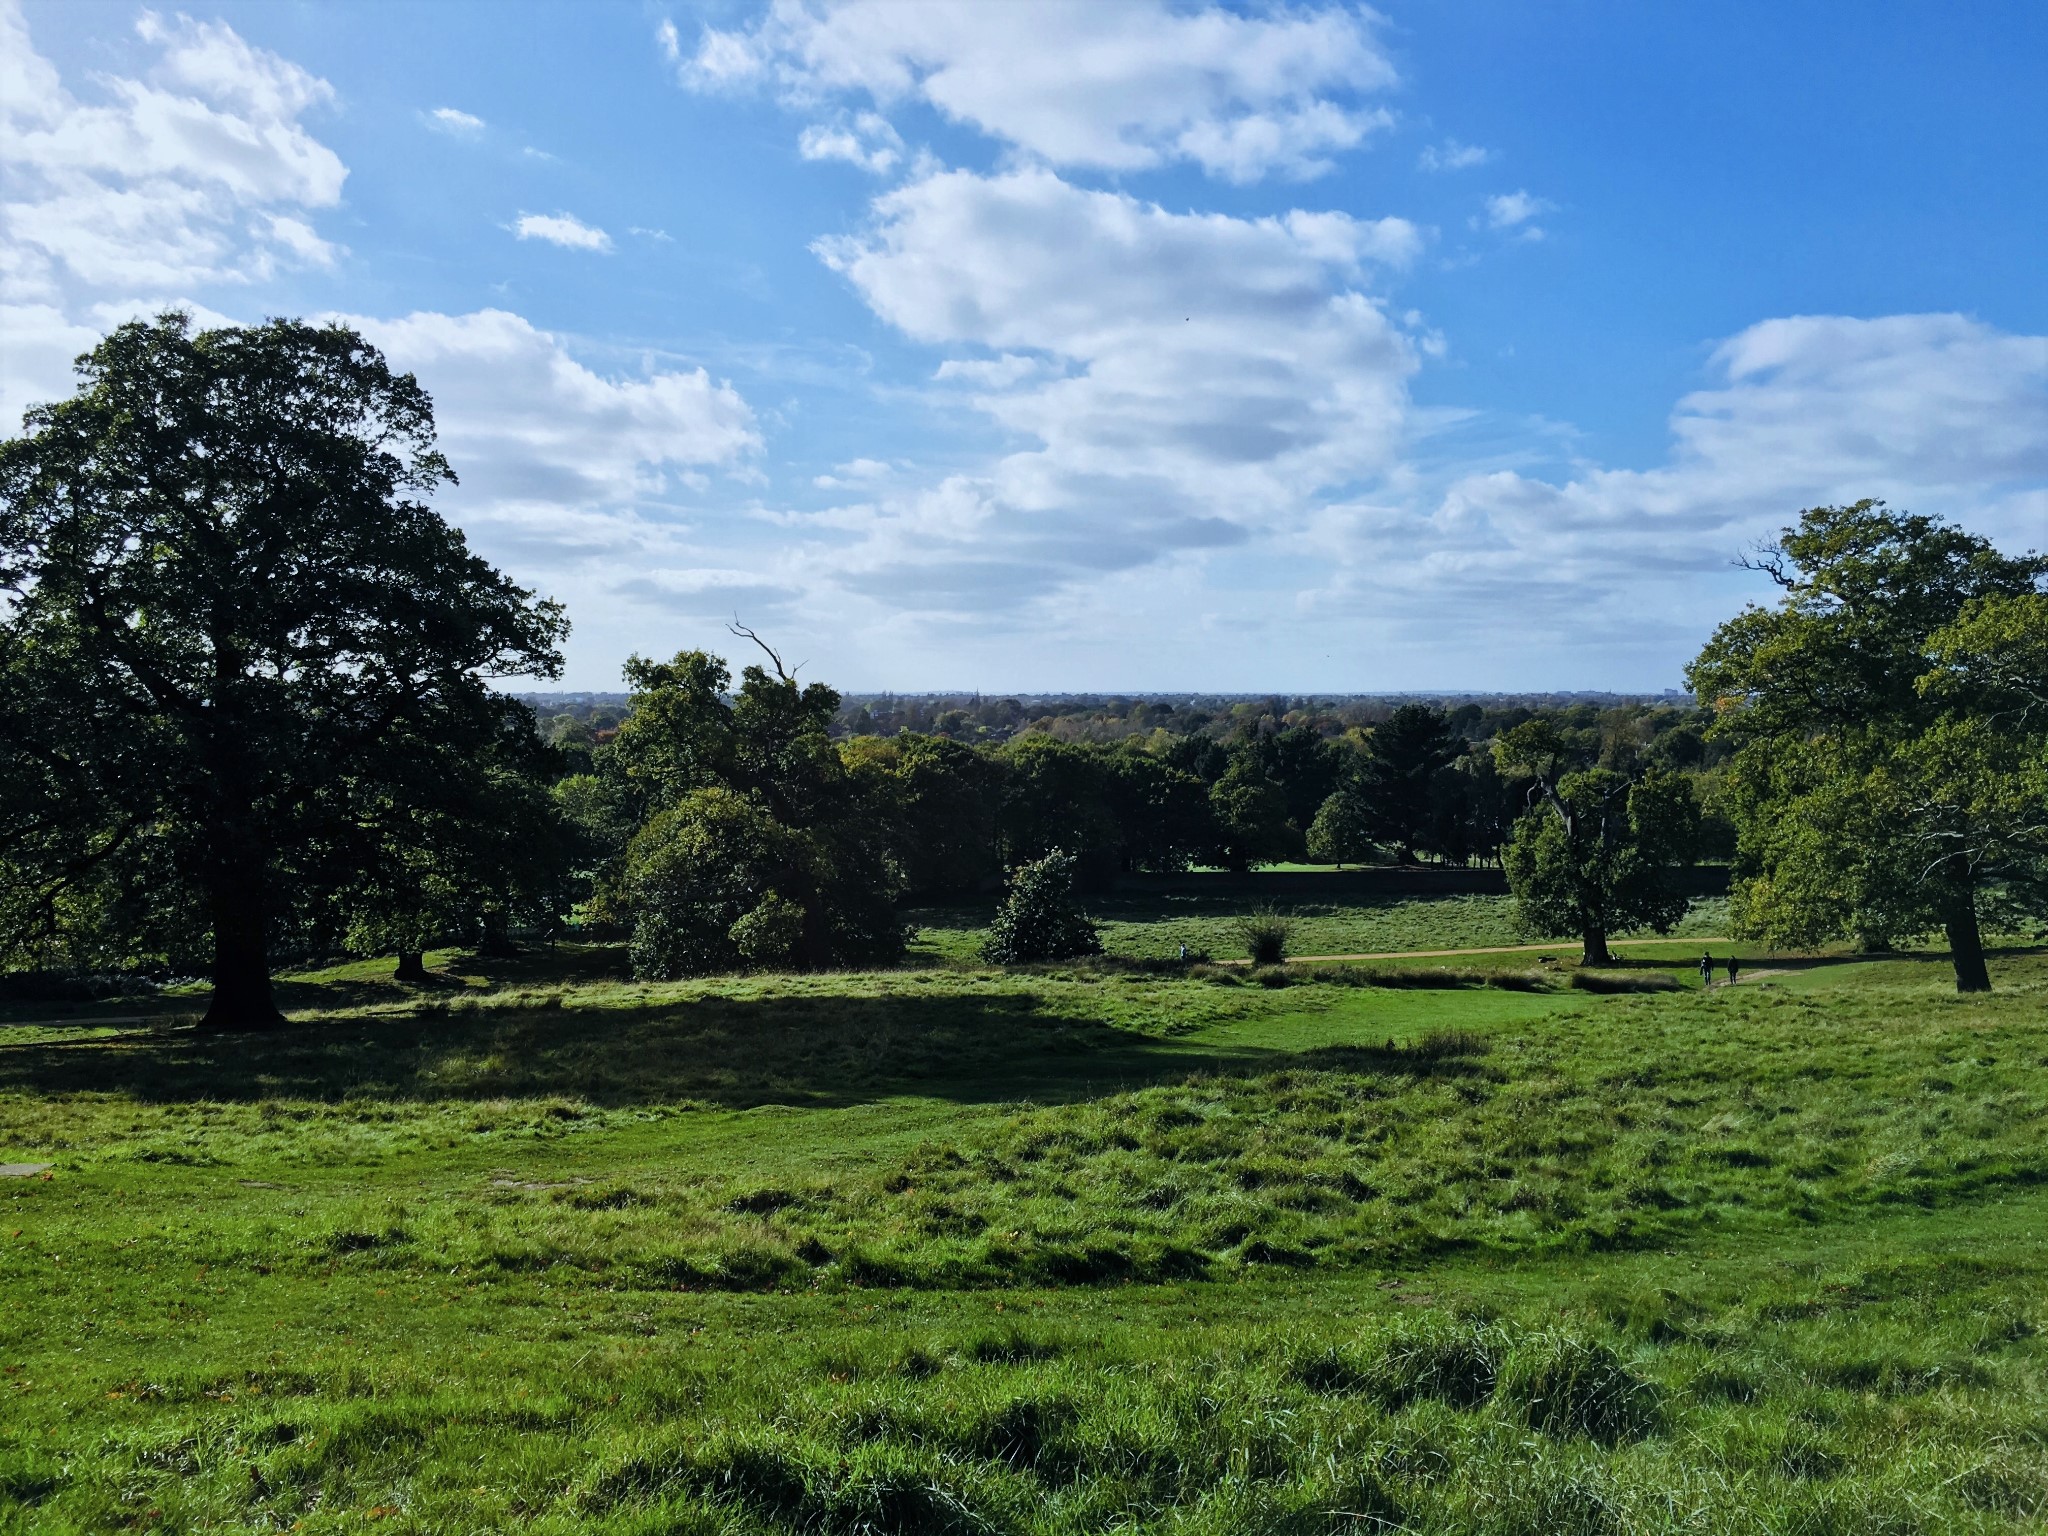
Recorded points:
(771,936)
(1342,832)
(1264,934)
(1056,796)
(1251,820)
(1038,919)
(940,802)
(1890,739)
(751,816)
(1598,855)
(1405,756)
(716,883)
(1162,813)
(242,664)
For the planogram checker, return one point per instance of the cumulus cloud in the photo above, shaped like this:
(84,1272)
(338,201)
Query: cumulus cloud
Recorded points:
(1076,82)
(1185,377)
(198,173)
(562,229)
(464,125)
(1939,413)
(1452,156)
(866,140)
(526,424)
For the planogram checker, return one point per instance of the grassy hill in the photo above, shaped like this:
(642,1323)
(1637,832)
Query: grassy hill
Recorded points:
(1463,1248)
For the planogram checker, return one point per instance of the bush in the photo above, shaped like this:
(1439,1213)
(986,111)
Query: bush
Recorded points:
(770,935)
(1264,934)
(1038,919)
(716,883)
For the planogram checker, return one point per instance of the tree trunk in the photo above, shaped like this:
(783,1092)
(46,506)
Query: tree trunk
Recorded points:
(242,998)
(1596,948)
(412,966)
(497,936)
(1966,944)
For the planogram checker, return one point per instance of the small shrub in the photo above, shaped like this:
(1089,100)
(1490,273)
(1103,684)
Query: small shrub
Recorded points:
(1273,976)
(1264,934)
(1038,919)
(769,936)
(1420,978)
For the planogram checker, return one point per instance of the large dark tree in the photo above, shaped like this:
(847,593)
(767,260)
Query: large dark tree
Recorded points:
(1887,719)
(233,615)
(1596,853)
(1404,755)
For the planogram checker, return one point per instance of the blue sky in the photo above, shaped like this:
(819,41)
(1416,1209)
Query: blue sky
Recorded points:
(1096,346)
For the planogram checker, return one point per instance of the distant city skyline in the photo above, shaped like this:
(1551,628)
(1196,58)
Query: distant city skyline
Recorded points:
(1315,351)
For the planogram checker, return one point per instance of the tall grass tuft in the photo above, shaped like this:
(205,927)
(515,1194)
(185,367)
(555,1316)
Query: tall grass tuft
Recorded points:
(1265,934)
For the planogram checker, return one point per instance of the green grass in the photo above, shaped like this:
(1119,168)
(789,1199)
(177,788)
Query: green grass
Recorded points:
(1148,925)
(1066,1250)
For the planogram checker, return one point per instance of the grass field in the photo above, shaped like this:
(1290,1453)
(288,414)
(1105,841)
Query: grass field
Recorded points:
(1155,924)
(1457,1248)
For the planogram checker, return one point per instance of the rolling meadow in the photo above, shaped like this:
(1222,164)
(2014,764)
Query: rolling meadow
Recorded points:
(1490,1243)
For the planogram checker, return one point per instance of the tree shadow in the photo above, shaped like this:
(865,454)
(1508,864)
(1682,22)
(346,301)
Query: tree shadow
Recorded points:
(807,1050)
(736,1053)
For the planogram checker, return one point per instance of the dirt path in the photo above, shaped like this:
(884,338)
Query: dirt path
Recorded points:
(1491,949)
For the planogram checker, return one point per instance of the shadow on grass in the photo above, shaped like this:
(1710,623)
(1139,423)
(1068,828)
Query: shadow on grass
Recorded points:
(814,1050)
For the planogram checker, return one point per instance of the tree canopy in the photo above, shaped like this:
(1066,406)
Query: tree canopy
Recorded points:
(1891,763)
(235,638)
(1597,851)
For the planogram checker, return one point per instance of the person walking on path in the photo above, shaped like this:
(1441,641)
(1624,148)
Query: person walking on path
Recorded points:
(1707,969)
(1731,969)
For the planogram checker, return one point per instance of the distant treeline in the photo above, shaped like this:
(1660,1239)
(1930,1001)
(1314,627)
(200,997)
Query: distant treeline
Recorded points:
(988,718)
(1125,785)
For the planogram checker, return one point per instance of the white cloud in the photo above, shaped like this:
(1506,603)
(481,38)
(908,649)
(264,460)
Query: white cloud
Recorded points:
(562,229)
(1203,374)
(992,372)
(196,174)
(526,423)
(1936,413)
(658,236)
(1452,156)
(853,472)
(463,125)
(1077,82)
(1516,211)
(571,478)
(866,141)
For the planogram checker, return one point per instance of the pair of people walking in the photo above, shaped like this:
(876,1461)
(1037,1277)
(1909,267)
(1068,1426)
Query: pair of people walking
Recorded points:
(1707,969)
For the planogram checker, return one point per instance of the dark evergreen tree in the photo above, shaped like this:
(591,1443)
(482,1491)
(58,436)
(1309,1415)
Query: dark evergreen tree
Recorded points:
(1038,919)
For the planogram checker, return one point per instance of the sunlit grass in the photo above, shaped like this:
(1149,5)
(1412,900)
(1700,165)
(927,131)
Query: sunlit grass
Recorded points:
(1079,1249)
